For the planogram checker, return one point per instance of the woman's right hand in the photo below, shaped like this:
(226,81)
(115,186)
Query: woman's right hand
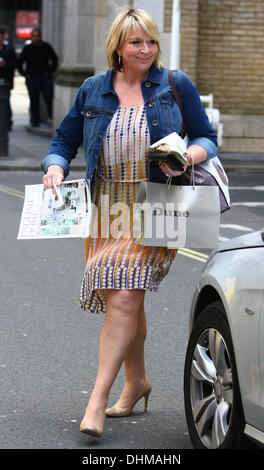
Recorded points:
(53,178)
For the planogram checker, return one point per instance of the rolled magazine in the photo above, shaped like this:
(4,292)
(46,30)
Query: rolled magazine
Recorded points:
(169,149)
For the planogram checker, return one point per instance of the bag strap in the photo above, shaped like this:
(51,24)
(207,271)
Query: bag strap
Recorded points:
(178,101)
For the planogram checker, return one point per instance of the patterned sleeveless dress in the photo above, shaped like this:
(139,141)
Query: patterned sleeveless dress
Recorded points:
(115,262)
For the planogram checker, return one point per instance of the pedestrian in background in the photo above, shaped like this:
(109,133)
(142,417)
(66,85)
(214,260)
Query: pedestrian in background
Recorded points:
(117,115)
(37,62)
(6,34)
(8,63)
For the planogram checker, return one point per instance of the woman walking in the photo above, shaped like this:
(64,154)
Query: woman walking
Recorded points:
(117,116)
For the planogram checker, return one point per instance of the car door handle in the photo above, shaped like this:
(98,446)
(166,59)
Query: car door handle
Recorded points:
(249,311)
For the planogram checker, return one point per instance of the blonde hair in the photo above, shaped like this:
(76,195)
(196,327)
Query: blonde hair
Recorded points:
(121,26)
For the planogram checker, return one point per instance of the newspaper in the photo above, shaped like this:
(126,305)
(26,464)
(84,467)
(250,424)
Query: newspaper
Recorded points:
(68,216)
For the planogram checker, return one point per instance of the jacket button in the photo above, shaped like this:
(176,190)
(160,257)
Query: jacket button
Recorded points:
(88,114)
(154,123)
(147,84)
(151,104)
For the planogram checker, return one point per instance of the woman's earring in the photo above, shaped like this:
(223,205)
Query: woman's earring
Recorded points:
(119,59)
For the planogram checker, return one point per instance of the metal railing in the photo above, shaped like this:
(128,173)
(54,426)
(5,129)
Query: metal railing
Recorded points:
(213,116)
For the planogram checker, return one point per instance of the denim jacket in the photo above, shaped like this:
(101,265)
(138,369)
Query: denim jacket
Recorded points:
(96,103)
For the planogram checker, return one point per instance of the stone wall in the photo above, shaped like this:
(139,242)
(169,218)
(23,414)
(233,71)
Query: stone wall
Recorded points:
(70,25)
(230,54)
(53,24)
(230,65)
(189,33)
(189,37)
(222,47)
(222,50)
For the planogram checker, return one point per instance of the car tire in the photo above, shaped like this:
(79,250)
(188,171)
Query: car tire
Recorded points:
(213,405)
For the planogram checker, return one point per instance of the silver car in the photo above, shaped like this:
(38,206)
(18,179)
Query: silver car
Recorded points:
(224,364)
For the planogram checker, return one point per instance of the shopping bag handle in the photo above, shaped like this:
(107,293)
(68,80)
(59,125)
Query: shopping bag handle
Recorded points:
(192,179)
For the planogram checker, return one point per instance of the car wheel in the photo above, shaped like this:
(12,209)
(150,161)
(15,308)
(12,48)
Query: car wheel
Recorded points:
(213,403)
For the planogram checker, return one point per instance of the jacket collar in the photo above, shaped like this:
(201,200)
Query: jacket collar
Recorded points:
(154,77)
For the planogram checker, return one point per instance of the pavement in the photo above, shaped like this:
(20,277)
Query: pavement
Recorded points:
(28,146)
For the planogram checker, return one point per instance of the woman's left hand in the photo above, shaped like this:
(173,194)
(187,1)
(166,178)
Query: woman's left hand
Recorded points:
(168,170)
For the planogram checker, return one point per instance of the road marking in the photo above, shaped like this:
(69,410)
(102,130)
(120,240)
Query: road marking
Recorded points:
(247,188)
(199,257)
(248,204)
(223,239)
(11,191)
(188,250)
(242,228)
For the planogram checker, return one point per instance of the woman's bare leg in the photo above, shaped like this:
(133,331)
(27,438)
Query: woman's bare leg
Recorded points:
(134,364)
(135,361)
(118,334)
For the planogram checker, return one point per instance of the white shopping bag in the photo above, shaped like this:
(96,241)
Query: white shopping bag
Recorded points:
(177,216)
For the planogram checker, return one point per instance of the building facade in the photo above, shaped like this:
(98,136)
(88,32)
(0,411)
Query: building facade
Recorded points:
(221,49)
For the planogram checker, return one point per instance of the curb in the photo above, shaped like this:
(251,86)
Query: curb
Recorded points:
(235,167)
(40,131)
(24,166)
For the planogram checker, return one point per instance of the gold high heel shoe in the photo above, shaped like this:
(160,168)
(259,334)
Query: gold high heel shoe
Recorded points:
(116,411)
(91,430)
(87,427)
